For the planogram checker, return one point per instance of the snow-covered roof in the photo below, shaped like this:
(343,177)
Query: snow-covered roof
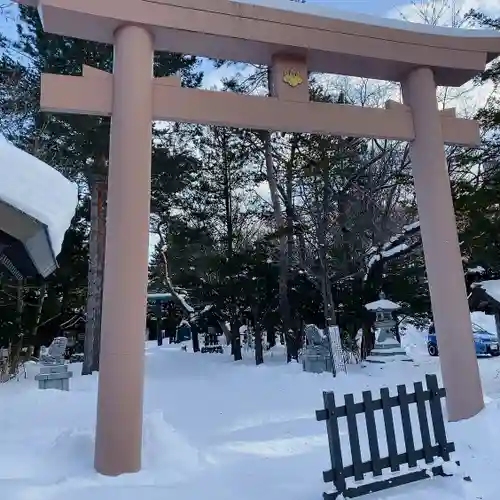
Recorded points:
(333,13)
(491,287)
(382,304)
(38,190)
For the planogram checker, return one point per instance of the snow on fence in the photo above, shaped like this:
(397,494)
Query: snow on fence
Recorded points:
(430,450)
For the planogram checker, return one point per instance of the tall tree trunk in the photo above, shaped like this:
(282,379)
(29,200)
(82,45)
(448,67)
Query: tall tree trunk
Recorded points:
(330,317)
(328,306)
(39,309)
(259,351)
(271,336)
(227,193)
(88,345)
(15,351)
(280,222)
(227,198)
(195,339)
(102,196)
(97,242)
(281,226)
(158,323)
(368,339)
(295,340)
(236,339)
(168,283)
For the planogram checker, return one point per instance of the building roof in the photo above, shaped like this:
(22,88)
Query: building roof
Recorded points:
(37,205)
(38,190)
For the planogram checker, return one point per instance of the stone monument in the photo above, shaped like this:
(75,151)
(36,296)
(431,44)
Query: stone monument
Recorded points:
(54,374)
(317,356)
(387,348)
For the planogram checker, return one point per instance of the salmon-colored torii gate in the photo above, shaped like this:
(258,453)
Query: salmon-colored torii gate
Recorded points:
(293,39)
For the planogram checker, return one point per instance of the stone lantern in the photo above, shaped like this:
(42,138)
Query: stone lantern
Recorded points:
(387,347)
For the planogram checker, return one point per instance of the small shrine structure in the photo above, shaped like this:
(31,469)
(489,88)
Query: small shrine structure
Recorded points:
(387,346)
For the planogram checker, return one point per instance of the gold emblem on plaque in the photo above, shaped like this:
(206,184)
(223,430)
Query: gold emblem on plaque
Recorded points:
(292,77)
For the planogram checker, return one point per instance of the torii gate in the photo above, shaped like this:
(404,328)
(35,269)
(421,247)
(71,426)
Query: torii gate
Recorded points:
(293,39)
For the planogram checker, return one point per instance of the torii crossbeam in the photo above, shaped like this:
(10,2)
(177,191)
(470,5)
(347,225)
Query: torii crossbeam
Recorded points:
(293,39)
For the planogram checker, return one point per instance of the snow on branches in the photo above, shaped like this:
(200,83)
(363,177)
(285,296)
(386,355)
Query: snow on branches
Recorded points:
(397,245)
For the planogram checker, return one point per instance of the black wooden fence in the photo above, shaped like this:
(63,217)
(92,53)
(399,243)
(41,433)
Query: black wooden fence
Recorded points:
(431,448)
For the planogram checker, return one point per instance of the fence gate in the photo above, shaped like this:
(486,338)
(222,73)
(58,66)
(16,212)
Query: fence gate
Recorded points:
(426,402)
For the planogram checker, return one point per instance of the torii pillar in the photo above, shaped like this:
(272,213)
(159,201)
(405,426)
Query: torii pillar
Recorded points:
(443,259)
(121,373)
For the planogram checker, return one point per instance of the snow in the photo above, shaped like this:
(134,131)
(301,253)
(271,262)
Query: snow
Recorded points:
(395,250)
(491,287)
(231,429)
(391,248)
(38,190)
(181,297)
(185,305)
(476,270)
(411,227)
(331,12)
(382,304)
(153,296)
(484,321)
(206,309)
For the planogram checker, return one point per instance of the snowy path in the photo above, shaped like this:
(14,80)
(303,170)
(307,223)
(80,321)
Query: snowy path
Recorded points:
(219,430)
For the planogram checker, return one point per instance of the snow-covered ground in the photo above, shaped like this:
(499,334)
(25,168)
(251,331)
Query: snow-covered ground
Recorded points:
(220,430)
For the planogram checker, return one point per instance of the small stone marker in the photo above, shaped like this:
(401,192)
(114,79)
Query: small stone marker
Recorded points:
(54,374)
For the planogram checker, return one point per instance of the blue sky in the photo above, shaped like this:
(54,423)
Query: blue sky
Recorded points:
(377,7)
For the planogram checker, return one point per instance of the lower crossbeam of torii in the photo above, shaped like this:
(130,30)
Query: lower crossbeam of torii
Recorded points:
(293,39)
(92,94)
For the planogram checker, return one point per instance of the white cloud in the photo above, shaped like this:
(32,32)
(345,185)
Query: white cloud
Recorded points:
(442,12)
(213,77)
(470,97)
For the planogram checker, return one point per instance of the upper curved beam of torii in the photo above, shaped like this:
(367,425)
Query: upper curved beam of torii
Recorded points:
(254,31)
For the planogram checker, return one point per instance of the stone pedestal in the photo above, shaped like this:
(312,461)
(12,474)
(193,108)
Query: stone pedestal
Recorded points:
(54,377)
(316,362)
(317,356)
(387,349)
